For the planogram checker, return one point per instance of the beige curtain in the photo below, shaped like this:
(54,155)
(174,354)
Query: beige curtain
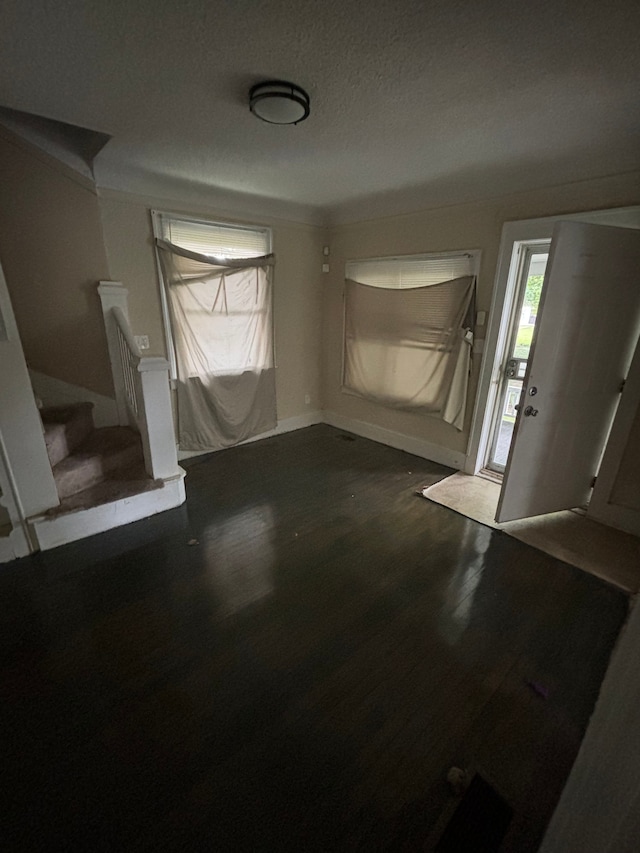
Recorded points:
(411,348)
(222,323)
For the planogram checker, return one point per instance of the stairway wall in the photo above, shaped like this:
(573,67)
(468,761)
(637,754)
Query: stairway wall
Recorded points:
(20,426)
(55,392)
(53,254)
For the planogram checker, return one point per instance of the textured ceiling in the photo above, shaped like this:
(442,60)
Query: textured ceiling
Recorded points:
(413,104)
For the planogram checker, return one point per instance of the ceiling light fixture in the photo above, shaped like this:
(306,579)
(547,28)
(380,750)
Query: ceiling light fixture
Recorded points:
(279,102)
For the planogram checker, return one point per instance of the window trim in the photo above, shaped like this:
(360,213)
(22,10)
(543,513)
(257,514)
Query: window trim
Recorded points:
(156,223)
(420,256)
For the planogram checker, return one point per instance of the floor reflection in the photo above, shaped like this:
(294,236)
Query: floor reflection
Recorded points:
(239,556)
(465,581)
(384,643)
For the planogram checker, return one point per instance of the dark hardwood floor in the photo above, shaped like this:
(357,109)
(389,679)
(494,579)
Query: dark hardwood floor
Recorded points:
(291,662)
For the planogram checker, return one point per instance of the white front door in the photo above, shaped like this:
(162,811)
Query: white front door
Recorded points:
(583,343)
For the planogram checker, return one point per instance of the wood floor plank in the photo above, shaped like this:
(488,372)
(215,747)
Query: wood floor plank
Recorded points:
(301,676)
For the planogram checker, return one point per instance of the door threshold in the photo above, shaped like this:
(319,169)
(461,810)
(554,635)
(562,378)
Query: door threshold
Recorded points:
(488,474)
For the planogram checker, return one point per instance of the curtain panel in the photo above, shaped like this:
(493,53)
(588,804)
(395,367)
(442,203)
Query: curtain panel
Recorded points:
(222,323)
(411,348)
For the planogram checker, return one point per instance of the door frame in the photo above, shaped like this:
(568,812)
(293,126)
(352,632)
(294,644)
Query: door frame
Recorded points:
(600,507)
(514,235)
(521,250)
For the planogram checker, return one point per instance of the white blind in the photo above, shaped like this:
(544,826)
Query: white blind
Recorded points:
(215,239)
(412,271)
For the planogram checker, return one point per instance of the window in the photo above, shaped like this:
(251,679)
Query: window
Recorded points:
(215,239)
(218,240)
(408,331)
(217,289)
(413,270)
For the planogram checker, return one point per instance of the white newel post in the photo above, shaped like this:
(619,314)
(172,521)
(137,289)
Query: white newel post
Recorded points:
(113,294)
(156,428)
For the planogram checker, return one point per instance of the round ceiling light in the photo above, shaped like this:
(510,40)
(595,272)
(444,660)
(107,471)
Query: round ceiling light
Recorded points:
(279,102)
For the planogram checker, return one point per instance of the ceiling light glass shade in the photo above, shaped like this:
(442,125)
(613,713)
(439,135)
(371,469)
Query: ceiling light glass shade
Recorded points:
(279,102)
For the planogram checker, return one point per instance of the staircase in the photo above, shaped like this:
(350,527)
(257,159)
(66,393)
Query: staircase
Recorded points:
(92,466)
(100,477)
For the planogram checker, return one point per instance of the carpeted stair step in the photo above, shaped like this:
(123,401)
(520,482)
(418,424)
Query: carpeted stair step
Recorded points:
(118,484)
(65,428)
(104,452)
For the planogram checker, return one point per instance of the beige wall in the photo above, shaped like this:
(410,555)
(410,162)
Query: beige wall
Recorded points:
(297,288)
(598,810)
(52,251)
(57,239)
(470,226)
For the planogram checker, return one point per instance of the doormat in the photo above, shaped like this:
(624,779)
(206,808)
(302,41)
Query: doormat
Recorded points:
(479,823)
(602,551)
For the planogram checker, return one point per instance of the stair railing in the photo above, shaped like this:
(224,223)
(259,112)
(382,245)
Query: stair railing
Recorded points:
(141,383)
(130,358)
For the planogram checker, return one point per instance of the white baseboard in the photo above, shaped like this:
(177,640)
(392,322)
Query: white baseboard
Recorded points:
(55,392)
(58,530)
(416,446)
(286,425)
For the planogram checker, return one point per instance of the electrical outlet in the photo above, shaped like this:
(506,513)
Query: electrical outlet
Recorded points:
(142,341)
(307,399)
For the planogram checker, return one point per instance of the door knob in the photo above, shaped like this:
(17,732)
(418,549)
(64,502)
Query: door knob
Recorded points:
(530,411)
